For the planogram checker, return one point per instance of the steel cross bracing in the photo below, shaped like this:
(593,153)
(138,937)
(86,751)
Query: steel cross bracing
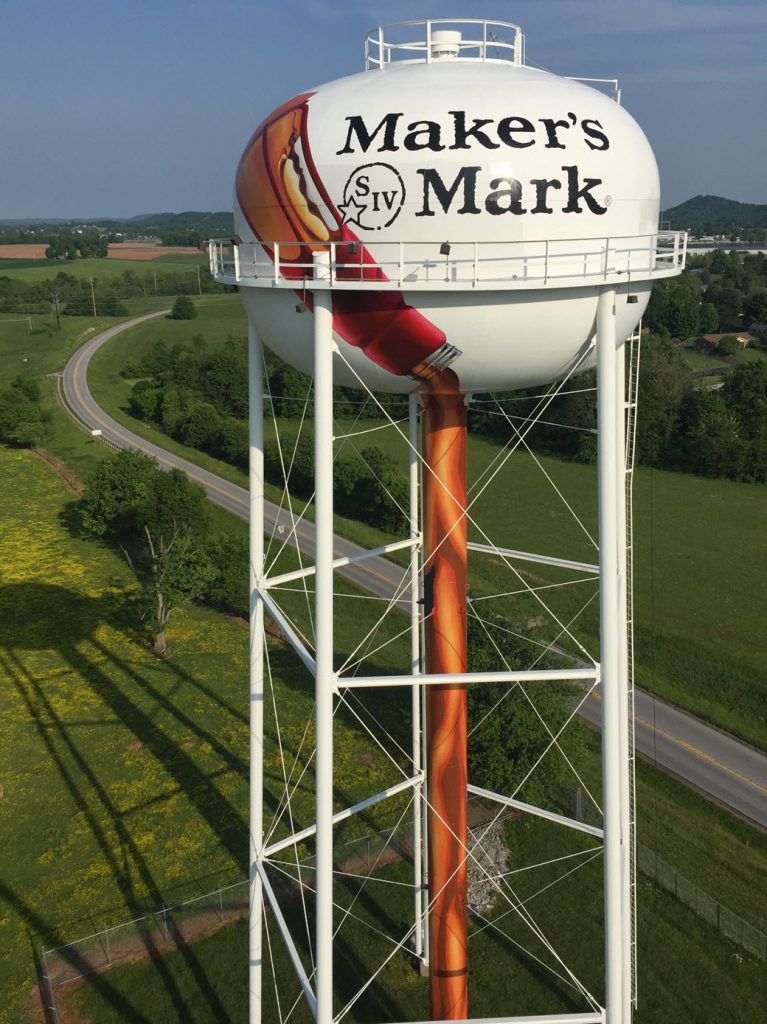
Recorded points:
(286,835)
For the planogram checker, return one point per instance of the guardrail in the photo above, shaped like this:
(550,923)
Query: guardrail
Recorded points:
(425,265)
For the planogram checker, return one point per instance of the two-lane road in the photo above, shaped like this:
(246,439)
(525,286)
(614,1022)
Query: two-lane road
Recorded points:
(731,772)
(378,575)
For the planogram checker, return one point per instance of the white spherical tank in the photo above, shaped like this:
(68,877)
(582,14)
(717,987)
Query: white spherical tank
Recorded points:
(471,207)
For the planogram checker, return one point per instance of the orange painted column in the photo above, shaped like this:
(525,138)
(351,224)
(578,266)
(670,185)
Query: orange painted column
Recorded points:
(444,522)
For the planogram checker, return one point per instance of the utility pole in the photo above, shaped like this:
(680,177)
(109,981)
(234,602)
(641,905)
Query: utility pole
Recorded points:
(155,281)
(56,310)
(93,298)
(199,283)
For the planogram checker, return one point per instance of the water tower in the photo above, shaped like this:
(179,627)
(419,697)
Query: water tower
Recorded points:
(447,223)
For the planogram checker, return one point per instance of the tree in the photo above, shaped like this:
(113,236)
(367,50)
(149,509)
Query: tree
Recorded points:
(157,520)
(381,491)
(727,345)
(112,306)
(22,420)
(201,425)
(509,725)
(173,571)
(144,400)
(755,308)
(708,318)
(224,378)
(664,380)
(183,309)
(228,557)
(745,393)
(728,302)
(710,441)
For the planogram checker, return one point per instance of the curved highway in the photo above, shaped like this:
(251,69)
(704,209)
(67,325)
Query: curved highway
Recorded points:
(723,768)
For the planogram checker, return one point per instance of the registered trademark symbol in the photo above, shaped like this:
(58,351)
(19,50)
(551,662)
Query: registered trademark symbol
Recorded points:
(608,200)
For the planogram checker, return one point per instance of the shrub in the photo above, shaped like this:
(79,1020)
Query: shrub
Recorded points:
(183,309)
(728,345)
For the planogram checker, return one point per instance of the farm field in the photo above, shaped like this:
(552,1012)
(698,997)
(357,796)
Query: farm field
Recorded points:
(699,544)
(106,269)
(117,250)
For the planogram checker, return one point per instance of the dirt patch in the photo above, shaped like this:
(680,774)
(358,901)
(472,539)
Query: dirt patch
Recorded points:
(141,251)
(147,251)
(71,481)
(25,251)
(270,628)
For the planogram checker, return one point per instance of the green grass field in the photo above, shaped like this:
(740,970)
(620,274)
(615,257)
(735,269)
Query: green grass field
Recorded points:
(44,270)
(699,545)
(687,971)
(701,361)
(128,783)
(125,775)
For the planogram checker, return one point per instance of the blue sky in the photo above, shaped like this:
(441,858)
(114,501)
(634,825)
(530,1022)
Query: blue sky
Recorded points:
(121,108)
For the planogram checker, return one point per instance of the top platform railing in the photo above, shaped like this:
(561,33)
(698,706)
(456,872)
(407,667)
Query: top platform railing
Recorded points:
(455,266)
(414,42)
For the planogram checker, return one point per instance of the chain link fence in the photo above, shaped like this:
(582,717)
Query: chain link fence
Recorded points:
(731,925)
(155,932)
(160,930)
(668,878)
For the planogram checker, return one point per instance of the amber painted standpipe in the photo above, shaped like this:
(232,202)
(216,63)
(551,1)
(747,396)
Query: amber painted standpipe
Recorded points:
(444,501)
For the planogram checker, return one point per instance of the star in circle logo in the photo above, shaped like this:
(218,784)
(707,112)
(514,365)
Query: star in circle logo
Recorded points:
(373,197)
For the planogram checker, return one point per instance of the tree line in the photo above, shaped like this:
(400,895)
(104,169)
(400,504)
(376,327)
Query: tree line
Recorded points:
(718,292)
(75,298)
(721,433)
(70,245)
(199,397)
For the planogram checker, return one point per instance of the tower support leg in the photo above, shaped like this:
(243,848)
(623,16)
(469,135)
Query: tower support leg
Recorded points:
(623,676)
(256,672)
(445,580)
(415,667)
(323,624)
(612,557)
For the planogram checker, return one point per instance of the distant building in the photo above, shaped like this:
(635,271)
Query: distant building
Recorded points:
(709,343)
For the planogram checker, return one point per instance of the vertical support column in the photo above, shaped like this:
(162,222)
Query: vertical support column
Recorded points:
(610,542)
(415,668)
(256,670)
(323,622)
(445,578)
(623,675)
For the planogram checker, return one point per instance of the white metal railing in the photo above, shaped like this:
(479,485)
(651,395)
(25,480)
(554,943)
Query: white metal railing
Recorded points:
(413,42)
(612,83)
(423,265)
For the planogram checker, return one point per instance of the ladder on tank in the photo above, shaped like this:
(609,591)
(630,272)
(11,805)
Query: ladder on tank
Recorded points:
(632,395)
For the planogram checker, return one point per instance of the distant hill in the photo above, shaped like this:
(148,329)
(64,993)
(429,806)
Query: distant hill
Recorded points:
(208,224)
(714,215)
(189,221)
